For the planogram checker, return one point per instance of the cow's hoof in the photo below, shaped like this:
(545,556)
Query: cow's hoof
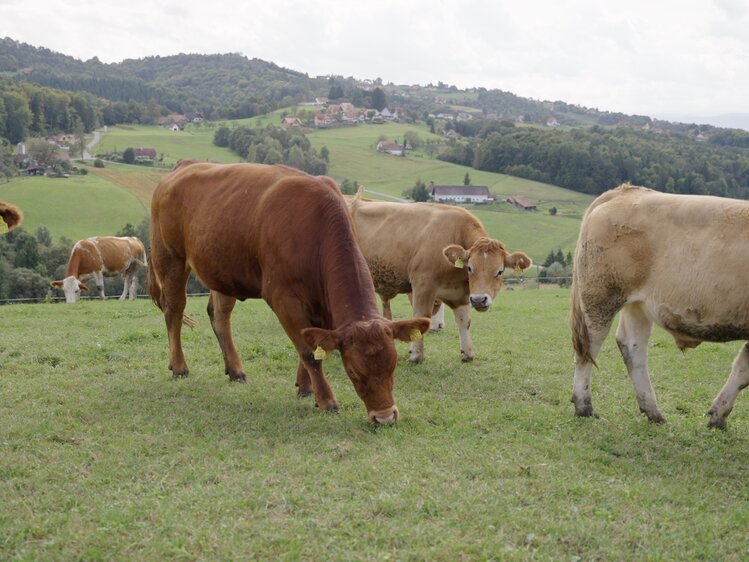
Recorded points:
(465,357)
(238,377)
(716,421)
(180,374)
(415,359)
(584,409)
(656,418)
(304,393)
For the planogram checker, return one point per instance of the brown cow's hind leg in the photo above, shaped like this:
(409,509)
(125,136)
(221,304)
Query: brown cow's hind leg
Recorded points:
(219,311)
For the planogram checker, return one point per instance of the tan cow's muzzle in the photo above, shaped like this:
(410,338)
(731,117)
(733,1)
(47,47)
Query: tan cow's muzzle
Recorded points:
(481,302)
(384,417)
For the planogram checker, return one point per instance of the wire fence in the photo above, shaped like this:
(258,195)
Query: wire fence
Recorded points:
(525,283)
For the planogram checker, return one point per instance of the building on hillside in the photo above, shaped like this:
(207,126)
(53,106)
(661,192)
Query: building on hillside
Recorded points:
(288,122)
(145,153)
(323,120)
(461,193)
(391,147)
(522,203)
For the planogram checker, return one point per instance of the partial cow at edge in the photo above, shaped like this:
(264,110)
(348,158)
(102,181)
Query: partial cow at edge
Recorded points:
(276,233)
(671,260)
(11,215)
(437,253)
(101,256)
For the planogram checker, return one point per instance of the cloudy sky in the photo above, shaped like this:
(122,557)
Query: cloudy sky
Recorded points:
(653,57)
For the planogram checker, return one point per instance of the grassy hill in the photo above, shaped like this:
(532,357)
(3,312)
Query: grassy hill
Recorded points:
(76,207)
(119,193)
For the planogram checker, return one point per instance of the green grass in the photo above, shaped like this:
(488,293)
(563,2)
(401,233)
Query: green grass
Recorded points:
(194,143)
(76,207)
(103,456)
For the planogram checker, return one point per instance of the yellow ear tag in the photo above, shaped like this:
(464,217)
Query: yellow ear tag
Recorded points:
(518,270)
(415,334)
(319,353)
(3,227)
(459,263)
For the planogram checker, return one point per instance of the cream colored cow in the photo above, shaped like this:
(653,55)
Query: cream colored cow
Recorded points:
(671,260)
(437,253)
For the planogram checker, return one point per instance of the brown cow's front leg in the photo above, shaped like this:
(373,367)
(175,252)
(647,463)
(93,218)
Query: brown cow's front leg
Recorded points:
(294,319)
(303,382)
(219,311)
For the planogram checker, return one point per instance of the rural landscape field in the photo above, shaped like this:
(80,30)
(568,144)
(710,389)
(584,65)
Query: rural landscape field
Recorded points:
(106,457)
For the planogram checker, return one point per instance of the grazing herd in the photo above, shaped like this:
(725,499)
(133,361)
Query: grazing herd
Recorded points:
(318,258)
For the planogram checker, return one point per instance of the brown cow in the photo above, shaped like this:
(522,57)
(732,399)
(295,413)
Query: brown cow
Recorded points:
(11,215)
(671,260)
(272,232)
(437,252)
(99,256)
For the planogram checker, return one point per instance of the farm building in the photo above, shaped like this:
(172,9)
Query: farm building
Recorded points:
(461,193)
(390,147)
(288,122)
(522,203)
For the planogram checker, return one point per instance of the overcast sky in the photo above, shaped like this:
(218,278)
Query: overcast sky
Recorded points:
(650,57)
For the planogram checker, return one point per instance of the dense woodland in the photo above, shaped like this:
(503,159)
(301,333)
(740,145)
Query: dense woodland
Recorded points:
(595,159)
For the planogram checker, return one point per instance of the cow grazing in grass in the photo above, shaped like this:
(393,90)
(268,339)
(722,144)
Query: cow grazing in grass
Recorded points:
(11,216)
(436,252)
(99,256)
(272,232)
(670,260)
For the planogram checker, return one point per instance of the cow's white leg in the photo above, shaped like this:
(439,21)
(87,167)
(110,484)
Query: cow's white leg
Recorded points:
(133,287)
(581,390)
(99,278)
(632,337)
(738,380)
(127,279)
(438,319)
(463,320)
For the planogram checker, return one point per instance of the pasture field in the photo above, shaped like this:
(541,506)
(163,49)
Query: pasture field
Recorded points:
(76,207)
(104,456)
(195,142)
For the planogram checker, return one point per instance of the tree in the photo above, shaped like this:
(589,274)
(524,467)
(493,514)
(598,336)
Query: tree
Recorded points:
(128,157)
(325,153)
(553,211)
(42,152)
(379,100)
(467,179)
(18,117)
(43,236)
(418,192)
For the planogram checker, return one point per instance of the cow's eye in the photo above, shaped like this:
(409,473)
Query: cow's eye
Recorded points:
(470,269)
(498,273)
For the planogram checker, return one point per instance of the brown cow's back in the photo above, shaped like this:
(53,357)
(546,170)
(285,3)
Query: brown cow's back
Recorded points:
(225,232)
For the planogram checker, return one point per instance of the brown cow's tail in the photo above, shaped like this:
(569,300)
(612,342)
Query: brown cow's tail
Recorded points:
(579,328)
(11,215)
(154,290)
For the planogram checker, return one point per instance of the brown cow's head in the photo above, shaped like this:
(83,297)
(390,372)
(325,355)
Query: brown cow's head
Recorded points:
(369,358)
(485,263)
(71,287)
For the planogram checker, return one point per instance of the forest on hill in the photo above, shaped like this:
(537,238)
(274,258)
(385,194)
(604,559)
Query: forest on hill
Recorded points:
(43,92)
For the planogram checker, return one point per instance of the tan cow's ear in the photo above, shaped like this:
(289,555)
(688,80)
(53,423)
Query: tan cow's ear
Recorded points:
(518,260)
(455,255)
(410,330)
(318,337)
(82,287)
(57,284)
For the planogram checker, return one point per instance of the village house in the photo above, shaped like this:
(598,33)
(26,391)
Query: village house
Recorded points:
(522,203)
(144,154)
(391,147)
(461,193)
(323,120)
(288,122)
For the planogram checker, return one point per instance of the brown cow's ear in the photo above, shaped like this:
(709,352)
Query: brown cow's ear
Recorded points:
(410,330)
(57,284)
(82,287)
(518,260)
(318,337)
(456,255)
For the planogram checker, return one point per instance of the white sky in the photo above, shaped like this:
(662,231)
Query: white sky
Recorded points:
(651,57)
